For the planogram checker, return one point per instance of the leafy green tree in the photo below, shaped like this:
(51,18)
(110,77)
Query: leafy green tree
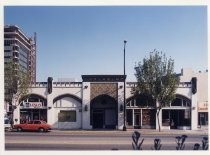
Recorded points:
(157,80)
(16,83)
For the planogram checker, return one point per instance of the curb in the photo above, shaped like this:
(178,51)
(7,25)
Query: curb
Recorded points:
(130,131)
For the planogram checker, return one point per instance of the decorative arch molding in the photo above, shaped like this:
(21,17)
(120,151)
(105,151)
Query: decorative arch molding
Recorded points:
(177,96)
(181,100)
(32,95)
(139,100)
(67,95)
(102,98)
(183,97)
(130,98)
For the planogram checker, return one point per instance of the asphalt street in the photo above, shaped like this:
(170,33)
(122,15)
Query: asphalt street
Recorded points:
(97,140)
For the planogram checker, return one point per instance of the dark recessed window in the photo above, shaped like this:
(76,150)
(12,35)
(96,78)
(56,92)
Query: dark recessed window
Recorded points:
(67,116)
(177,102)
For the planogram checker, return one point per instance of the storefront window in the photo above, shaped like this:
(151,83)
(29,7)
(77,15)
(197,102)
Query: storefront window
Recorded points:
(67,116)
(166,118)
(177,102)
(203,118)
(129,117)
(33,100)
(181,102)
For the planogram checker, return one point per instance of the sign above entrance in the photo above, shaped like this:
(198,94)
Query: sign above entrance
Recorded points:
(103,78)
(33,105)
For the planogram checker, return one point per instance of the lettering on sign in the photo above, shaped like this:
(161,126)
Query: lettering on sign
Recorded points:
(203,107)
(33,105)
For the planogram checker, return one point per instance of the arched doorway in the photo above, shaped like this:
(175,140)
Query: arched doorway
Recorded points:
(33,107)
(67,112)
(103,112)
(178,114)
(140,112)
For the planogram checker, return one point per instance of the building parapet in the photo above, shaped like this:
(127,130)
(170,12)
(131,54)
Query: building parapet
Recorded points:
(79,84)
(181,84)
(67,84)
(58,84)
(39,84)
(131,84)
(185,85)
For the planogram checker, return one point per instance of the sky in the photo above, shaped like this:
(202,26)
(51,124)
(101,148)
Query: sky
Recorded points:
(83,40)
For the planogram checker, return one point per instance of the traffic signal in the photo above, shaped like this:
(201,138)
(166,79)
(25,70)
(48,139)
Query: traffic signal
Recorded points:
(194,85)
(49,84)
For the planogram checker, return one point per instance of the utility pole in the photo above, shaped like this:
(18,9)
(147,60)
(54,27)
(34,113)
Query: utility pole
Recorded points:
(124,126)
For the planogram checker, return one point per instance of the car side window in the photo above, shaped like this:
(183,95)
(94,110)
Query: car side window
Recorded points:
(30,122)
(6,121)
(37,122)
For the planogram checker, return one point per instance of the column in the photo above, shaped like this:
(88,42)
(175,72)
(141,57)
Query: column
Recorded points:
(86,103)
(194,112)
(133,117)
(120,102)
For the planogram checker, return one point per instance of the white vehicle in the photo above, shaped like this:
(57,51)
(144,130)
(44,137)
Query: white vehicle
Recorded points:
(7,125)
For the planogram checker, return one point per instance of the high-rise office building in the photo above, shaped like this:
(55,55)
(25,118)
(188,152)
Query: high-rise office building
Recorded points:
(20,49)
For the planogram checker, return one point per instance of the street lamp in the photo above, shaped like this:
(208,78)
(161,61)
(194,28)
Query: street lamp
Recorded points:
(124,126)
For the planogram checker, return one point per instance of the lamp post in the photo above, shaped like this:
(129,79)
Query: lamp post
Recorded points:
(124,126)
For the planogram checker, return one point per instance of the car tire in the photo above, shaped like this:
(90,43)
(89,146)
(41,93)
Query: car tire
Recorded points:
(19,129)
(41,130)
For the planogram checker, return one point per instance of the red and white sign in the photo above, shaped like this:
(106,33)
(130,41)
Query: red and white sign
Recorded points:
(33,105)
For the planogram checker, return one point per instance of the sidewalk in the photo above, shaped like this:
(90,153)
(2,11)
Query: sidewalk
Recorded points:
(130,131)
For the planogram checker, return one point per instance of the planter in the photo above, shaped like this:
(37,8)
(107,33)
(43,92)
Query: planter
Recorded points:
(184,127)
(165,127)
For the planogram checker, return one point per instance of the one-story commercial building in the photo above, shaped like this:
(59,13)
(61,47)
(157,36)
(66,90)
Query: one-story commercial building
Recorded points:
(98,103)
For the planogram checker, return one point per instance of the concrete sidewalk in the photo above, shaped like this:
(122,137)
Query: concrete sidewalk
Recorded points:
(142,131)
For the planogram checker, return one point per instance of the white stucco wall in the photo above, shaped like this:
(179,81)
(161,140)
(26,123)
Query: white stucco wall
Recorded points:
(202,82)
(202,86)
(67,103)
(86,101)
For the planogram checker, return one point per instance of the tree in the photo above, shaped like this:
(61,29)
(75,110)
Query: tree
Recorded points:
(17,83)
(157,80)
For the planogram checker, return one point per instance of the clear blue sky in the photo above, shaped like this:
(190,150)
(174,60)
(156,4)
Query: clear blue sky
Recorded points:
(75,40)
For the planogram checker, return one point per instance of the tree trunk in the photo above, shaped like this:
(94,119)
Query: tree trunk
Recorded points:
(157,113)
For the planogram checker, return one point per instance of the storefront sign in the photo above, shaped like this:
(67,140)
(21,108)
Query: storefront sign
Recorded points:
(203,107)
(33,105)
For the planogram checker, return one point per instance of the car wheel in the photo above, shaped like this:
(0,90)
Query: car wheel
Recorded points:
(41,130)
(19,129)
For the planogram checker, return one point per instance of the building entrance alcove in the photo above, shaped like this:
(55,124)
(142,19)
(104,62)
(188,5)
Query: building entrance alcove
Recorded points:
(178,114)
(103,112)
(33,107)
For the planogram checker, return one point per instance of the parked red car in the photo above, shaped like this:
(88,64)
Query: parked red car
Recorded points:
(36,125)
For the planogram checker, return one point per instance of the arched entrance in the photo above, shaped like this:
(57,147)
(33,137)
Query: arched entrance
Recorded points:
(178,114)
(33,107)
(67,112)
(140,112)
(103,112)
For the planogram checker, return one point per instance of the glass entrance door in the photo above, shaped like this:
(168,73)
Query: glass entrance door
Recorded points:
(137,120)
